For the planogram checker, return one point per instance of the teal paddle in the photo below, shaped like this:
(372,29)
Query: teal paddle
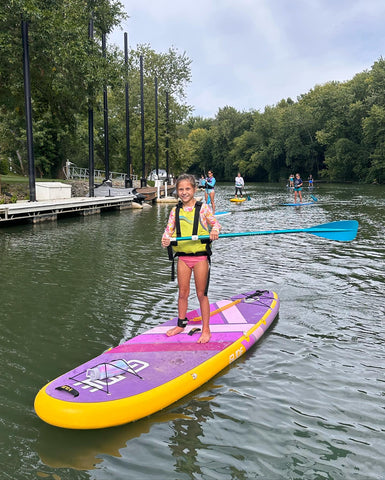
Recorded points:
(342,231)
(314,198)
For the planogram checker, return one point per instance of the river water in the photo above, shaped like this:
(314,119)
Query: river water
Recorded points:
(306,403)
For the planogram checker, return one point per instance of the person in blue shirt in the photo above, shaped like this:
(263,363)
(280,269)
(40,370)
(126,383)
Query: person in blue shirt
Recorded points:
(298,184)
(210,193)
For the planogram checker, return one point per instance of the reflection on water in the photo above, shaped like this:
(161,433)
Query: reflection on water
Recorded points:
(83,450)
(306,402)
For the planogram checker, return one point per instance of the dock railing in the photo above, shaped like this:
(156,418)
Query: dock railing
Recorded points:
(73,172)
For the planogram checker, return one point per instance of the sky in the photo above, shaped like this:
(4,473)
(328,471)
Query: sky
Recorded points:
(248,54)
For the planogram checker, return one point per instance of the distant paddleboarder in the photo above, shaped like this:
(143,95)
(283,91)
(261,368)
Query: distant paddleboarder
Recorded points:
(210,192)
(239,185)
(298,184)
(291,180)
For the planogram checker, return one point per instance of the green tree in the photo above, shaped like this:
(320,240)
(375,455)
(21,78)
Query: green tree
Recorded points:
(63,66)
(228,125)
(374,139)
(199,144)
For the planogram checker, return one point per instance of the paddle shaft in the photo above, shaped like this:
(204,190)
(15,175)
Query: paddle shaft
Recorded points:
(268,232)
(343,230)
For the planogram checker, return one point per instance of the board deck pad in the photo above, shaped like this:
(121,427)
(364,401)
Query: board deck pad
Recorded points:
(160,369)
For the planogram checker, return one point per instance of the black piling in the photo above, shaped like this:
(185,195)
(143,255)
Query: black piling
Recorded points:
(156,129)
(143,181)
(105,110)
(128,179)
(28,111)
(91,161)
(167,138)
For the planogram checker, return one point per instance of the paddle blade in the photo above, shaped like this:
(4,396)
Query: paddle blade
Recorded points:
(314,198)
(342,231)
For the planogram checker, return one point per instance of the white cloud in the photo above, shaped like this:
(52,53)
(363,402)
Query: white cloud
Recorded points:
(252,53)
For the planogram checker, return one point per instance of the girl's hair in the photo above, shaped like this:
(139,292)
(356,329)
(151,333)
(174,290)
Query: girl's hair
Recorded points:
(185,176)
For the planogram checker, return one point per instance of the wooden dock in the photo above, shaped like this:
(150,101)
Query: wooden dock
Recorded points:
(35,212)
(151,193)
(51,210)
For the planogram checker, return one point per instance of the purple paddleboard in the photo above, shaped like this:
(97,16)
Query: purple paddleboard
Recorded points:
(152,370)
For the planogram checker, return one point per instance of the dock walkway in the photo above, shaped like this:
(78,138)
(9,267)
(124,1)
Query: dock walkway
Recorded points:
(35,212)
(51,210)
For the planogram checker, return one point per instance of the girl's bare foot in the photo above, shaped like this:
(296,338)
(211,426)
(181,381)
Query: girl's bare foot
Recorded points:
(205,337)
(174,331)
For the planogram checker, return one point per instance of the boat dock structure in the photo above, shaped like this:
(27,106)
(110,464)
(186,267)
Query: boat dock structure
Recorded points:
(51,209)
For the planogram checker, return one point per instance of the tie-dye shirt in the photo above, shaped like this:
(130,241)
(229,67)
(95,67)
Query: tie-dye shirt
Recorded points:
(206,217)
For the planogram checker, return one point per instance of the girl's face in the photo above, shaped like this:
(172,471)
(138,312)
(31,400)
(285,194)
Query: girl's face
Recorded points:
(186,192)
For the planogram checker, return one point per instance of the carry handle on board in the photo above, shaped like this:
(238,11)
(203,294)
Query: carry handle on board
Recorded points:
(342,231)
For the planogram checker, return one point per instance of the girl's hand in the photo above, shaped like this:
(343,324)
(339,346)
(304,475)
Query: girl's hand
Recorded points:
(165,241)
(214,235)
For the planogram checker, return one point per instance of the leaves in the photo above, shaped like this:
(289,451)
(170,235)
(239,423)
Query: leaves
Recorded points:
(68,73)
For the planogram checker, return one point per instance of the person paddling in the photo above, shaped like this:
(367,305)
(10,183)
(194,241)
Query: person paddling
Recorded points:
(210,192)
(191,217)
(239,185)
(298,188)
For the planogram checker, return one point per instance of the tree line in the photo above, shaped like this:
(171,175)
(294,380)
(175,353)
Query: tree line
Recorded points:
(335,132)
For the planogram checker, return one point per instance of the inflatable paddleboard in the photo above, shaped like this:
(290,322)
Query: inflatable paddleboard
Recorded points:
(151,371)
(296,204)
(237,199)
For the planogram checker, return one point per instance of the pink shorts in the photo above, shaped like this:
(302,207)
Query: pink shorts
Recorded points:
(192,261)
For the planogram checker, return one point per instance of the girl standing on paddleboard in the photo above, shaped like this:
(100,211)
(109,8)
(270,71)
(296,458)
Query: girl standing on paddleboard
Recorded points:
(189,218)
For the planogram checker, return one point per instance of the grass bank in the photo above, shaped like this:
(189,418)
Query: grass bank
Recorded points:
(16,187)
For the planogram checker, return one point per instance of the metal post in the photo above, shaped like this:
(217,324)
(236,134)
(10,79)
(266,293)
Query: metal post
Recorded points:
(143,181)
(156,130)
(91,161)
(128,180)
(167,135)
(105,105)
(28,111)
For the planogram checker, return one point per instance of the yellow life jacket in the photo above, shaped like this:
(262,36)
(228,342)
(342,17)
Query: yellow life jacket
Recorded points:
(186,225)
